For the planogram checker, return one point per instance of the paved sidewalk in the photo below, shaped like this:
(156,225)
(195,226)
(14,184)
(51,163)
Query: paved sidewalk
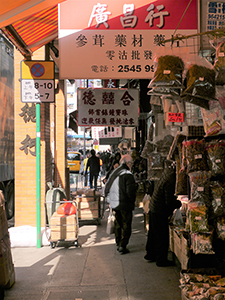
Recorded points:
(96,271)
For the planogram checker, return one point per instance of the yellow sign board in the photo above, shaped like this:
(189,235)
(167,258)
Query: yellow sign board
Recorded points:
(33,69)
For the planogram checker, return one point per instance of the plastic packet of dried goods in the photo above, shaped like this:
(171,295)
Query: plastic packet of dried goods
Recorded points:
(218,198)
(219,64)
(216,155)
(202,243)
(149,147)
(199,187)
(159,91)
(184,157)
(155,100)
(213,291)
(197,214)
(168,73)
(195,155)
(156,161)
(220,226)
(154,174)
(181,187)
(220,96)
(213,119)
(200,86)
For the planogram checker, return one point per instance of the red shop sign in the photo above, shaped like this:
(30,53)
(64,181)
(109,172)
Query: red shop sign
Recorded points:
(175,117)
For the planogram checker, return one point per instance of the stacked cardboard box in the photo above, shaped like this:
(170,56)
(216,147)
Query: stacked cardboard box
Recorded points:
(63,227)
(7,278)
(88,204)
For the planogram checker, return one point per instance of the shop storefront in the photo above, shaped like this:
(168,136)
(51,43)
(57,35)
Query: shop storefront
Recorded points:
(187,126)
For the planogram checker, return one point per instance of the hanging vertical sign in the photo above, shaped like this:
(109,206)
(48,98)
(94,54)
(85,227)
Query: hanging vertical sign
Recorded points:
(114,39)
(215,15)
(107,107)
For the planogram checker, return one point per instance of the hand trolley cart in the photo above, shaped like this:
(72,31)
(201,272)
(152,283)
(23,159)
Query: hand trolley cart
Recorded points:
(61,228)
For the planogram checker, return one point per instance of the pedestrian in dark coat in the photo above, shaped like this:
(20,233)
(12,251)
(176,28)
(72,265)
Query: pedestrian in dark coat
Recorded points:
(161,207)
(94,164)
(120,192)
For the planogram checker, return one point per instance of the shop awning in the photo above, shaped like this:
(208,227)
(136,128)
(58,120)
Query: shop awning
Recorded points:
(29,24)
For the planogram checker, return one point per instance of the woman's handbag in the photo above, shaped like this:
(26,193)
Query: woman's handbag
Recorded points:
(110,222)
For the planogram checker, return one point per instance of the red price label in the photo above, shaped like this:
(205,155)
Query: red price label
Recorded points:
(175,117)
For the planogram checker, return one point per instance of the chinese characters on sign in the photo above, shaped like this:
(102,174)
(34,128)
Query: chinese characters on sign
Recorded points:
(28,114)
(120,37)
(175,117)
(215,15)
(105,107)
(110,132)
(128,20)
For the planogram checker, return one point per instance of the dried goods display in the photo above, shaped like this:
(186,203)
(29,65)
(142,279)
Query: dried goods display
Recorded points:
(195,155)
(221,228)
(202,243)
(199,184)
(196,286)
(197,215)
(216,154)
(168,72)
(218,198)
(200,86)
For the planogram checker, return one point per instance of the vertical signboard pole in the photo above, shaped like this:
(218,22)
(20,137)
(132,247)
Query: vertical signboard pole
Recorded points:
(38,172)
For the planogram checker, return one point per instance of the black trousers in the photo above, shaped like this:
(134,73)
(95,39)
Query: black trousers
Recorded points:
(123,221)
(95,177)
(158,237)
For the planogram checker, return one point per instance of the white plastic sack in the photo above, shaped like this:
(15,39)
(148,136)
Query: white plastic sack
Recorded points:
(26,236)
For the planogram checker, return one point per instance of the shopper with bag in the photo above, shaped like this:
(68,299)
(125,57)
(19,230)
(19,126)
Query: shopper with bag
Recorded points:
(120,192)
(162,204)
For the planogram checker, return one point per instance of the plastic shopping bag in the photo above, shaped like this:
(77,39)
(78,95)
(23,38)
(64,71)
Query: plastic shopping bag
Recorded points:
(177,218)
(110,222)
(66,208)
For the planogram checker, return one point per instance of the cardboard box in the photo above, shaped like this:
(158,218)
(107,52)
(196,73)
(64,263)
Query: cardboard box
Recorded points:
(6,265)
(177,245)
(57,229)
(184,258)
(171,235)
(87,210)
(63,227)
(3,222)
(71,225)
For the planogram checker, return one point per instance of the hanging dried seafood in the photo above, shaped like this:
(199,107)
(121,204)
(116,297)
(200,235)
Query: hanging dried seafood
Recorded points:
(216,155)
(200,183)
(181,187)
(221,228)
(168,73)
(200,86)
(195,155)
(218,198)
(202,243)
(197,214)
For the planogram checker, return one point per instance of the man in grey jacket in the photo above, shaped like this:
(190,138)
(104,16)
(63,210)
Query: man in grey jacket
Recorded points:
(120,192)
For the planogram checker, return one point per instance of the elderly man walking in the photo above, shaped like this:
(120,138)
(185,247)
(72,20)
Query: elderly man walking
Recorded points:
(120,192)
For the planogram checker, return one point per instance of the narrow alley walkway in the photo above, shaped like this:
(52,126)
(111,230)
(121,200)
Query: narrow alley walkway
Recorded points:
(95,271)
